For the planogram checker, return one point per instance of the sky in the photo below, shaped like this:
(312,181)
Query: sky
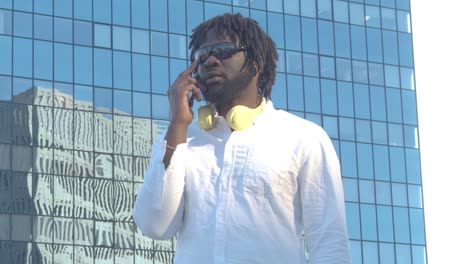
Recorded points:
(441,54)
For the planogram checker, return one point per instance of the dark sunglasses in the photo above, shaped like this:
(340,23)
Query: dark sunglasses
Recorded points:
(221,51)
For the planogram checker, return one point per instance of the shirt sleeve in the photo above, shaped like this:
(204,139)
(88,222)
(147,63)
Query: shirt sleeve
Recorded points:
(323,209)
(159,205)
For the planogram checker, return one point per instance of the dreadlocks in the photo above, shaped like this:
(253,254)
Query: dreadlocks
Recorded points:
(261,50)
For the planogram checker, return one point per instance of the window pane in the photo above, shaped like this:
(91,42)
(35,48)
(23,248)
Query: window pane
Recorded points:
(5,22)
(311,64)
(83,65)
(309,40)
(365,162)
(342,40)
(158,11)
(275,29)
(295,93)
(102,11)
(160,106)
(407,78)
(381,163)
(279,91)
(340,11)
(401,222)
(347,130)
(122,102)
(5,61)
(368,220)
(360,71)
(312,94)
(394,105)
(293,34)
(350,190)
(392,76)
(374,44)
(307,8)
(83,33)
(383,194)
(387,253)
(177,16)
(330,124)
(177,46)
(141,72)
(122,70)
(358,42)
(327,67)
(140,41)
(22,57)
(329,96)
(83,9)
(159,74)
(366,191)
(142,104)
(103,100)
(22,23)
(388,18)
(361,97)
(405,48)
(293,62)
(417,226)
(372,16)
(140,15)
(348,159)
(395,135)
(379,132)
(397,164)
(378,110)
(5,95)
(326,38)
(63,62)
(352,220)
(159,44)
(324,9)
(345,99)
(399,194)
(43,60)
(390,46)
(102,67)
(385,223)
(376,73)
(63,30)
(413,166)
(102,36)
(121,38)
(43,27)
(63,8)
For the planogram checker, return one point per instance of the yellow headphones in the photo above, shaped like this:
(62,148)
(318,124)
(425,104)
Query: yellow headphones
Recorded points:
(238,118)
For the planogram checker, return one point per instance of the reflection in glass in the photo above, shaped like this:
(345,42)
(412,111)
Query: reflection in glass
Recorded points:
(83,33)
(102,35)
(142,104)
(348,159)
(383,193)
(63,30)
(347,130)
(22,57)
(360,71)
(141,72)
(293,35)
(326,38)
(5,91)
(388,18)
(22,24)
(102,67)
(83,9)
(63,62)
(122,72)
(352,220)
(372,16)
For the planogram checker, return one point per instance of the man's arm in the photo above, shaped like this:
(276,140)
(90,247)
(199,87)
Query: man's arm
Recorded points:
(158,209)
(323,209)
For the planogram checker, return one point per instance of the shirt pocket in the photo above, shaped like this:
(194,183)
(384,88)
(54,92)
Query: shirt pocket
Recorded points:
(268,173)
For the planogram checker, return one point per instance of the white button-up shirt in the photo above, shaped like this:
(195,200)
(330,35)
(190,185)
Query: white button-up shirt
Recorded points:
(248,196)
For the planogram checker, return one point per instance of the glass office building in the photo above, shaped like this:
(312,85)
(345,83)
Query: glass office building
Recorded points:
(83,96)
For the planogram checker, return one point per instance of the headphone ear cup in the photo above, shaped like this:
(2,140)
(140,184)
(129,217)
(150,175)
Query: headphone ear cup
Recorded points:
(205,117)
(241,117)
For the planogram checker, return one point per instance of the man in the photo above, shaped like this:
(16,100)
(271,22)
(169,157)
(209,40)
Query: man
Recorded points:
(254,180)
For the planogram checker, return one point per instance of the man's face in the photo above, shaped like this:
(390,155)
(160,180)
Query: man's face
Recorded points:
(224,76)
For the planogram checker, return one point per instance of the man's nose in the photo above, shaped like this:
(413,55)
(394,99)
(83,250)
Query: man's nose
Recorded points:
(211,61)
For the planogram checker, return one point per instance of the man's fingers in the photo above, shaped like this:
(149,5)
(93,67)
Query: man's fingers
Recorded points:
(192,67)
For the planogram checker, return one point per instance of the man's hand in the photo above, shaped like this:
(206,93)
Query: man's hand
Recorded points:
(178,95)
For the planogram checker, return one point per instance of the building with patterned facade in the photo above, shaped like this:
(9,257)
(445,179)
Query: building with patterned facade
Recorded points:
(83,96)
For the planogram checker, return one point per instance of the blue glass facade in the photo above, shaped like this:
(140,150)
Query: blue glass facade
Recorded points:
(83,96)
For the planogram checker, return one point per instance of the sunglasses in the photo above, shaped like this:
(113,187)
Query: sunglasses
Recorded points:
(221,51)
